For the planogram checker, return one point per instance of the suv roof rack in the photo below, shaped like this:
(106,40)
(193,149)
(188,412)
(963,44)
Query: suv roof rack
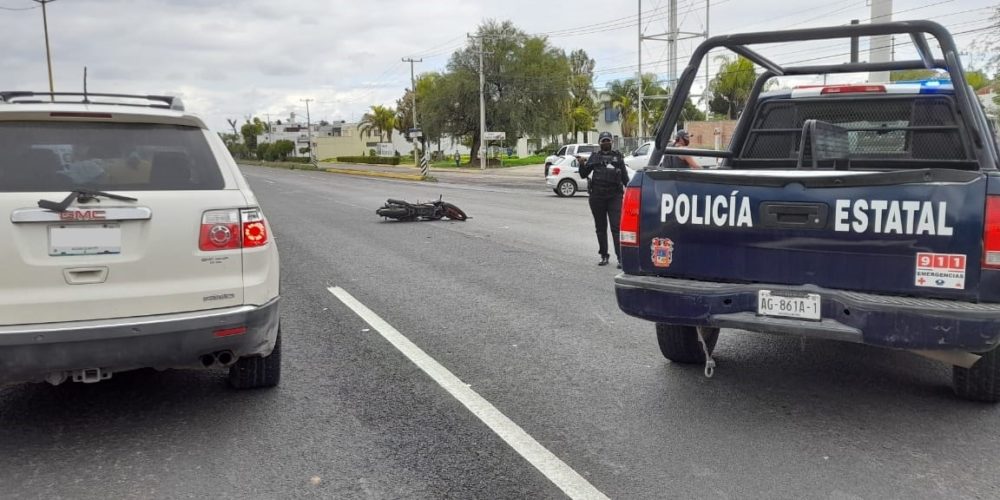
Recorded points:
(30,97)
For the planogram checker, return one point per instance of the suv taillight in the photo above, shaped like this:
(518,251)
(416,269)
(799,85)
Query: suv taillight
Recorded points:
(991,233)
(629,234)
(232,229)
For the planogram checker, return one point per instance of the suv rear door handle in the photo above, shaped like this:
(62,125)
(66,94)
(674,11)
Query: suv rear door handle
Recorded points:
(85,275)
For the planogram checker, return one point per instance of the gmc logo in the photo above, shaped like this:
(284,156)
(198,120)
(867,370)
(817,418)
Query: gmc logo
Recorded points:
(82,215)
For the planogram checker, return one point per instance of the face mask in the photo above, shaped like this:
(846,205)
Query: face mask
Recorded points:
(605,146)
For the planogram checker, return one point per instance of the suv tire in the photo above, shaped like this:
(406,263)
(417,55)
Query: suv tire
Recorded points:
(257,371)
(982,381)
(680,343)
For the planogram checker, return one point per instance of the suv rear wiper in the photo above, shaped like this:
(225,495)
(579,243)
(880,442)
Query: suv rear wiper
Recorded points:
(80,195)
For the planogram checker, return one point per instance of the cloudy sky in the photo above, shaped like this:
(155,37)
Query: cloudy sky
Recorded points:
(233,58)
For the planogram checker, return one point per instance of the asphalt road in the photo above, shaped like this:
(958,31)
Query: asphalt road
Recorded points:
(512,304)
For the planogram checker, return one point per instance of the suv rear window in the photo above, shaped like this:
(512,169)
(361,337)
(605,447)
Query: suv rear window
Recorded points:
(891,132)
(61,156)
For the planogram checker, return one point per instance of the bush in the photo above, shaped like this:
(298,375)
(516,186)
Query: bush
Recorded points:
(374,160)
(297,159)
(548,150)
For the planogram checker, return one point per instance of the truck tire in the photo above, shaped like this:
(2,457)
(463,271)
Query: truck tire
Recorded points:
(982,381)
(257,372)
(680,343)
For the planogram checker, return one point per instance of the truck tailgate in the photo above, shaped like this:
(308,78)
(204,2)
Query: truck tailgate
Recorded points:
(910,232)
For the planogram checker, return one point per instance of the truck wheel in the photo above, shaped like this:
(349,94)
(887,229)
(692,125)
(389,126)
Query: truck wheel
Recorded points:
(982,381)
(680,343)
(257,371)
(566,188)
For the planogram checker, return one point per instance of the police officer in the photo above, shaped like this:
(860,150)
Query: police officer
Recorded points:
(608,178)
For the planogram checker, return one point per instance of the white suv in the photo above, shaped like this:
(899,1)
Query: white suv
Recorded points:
(129,239)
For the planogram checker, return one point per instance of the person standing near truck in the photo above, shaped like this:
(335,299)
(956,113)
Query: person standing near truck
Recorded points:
(681,140)
(608,178)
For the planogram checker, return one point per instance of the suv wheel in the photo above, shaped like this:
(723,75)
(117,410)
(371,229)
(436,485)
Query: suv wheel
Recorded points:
(257,371)
(982,381)
(566,188)
(680,343)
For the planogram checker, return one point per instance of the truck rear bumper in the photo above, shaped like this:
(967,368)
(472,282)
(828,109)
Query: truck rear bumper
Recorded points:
(886,321)
(33,352)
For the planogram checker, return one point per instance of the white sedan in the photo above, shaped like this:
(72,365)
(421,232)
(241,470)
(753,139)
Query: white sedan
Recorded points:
(564,176)
(639,159)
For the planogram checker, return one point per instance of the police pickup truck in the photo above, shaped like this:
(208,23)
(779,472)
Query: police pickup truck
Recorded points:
(865,213)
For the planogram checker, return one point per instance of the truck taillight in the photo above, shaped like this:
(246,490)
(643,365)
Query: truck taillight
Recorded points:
(232,229)
(629,235)
(991,233)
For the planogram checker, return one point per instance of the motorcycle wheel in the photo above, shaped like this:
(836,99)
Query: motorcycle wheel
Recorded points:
(454,213)
(393,213)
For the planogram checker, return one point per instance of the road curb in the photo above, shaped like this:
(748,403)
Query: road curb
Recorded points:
(369,173)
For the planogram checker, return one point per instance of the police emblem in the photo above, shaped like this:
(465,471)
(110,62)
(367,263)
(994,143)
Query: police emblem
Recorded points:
(663,252)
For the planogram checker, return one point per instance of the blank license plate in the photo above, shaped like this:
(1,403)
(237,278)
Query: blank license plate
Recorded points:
(804,306)
(91,239)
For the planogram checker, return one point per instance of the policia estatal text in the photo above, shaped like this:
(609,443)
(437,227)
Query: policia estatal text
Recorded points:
(608,178)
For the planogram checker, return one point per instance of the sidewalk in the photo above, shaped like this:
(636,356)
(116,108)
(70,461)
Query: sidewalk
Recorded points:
(533,174)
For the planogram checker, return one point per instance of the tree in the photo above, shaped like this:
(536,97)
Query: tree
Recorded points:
(583,109)
(977,79)
(250,130)
(264,151)
(281,149)
(623,95)
(732,85)
(380,120)
(526,85)
(915,74)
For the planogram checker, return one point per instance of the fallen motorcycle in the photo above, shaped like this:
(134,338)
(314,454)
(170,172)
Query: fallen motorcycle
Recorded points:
(434,210)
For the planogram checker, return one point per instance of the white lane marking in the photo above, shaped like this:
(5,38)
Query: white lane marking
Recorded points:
(562,475)
(269,181)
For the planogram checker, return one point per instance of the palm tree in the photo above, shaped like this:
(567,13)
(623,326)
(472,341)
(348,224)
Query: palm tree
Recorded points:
(623,97)
(380,120)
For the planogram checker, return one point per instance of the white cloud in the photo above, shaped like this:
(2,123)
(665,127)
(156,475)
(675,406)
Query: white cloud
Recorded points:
(232,58)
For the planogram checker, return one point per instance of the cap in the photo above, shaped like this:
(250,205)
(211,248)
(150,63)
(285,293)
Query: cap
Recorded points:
(682,134)
(605,136)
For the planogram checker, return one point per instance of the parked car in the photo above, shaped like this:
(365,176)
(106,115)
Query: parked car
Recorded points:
(576,150)
(638,159)
(564,177)
(129,239)
(865,213)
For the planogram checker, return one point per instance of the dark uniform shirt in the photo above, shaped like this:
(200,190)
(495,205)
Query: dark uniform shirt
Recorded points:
(609,173)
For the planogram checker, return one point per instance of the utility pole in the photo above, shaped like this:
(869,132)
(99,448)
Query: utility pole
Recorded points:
(309,130)
(269,127)
(639,74)
(413,94)
(672,36)
(880,46)
(708,106)
(48,52)
(482,105)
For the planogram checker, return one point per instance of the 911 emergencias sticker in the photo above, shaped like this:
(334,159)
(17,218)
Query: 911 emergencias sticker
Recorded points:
(940,270)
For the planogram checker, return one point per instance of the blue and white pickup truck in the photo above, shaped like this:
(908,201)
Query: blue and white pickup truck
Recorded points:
(864,213)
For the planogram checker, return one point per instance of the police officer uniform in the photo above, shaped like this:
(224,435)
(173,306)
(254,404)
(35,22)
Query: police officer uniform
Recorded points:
(608,178)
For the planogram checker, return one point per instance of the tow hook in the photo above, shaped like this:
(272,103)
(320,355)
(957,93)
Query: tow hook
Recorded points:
(709,362)
(91,375)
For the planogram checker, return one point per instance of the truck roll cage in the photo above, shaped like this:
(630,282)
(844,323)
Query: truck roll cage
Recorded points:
(977,128)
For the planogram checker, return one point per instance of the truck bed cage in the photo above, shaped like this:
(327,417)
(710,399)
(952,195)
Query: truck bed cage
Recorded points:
(31,97)
(976,126)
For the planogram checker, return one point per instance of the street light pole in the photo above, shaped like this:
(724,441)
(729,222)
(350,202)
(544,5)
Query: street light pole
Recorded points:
(309,131)
(48,52)
(413,94)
